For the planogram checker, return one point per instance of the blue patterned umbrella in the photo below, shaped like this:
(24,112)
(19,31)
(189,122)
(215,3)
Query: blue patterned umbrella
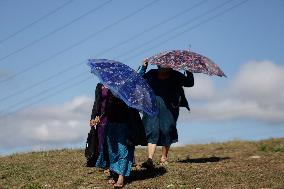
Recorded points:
(126,84)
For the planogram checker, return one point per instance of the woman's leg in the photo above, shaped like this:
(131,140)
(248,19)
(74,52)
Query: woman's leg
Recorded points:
(120,182)
(151,150)
(165,151)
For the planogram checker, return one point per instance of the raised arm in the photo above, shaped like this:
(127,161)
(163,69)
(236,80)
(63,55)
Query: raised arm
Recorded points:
(143,69)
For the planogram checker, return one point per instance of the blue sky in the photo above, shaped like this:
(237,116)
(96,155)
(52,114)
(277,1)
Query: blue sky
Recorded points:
(246,42)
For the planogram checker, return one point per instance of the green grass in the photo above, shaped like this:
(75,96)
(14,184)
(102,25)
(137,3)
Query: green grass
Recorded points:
(236,164)
(275,146)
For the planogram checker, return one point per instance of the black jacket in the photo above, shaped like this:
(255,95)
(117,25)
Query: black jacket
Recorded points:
(177,79)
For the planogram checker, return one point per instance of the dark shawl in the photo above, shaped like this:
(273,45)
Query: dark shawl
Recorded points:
(174,83)
(117,111)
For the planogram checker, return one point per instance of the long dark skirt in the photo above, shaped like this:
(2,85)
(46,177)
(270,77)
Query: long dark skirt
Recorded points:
(161,129)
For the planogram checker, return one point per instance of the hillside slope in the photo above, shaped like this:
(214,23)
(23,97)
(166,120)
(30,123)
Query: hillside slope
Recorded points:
(236,164)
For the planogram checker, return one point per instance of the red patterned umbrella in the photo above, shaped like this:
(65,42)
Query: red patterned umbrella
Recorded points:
(186,60)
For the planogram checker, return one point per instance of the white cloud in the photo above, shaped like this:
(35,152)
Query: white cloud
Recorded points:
(58,125)
(261,80)
(203,89)
(256,92)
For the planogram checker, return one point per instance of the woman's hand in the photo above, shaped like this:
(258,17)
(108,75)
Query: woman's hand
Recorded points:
(94,122)
(145,63)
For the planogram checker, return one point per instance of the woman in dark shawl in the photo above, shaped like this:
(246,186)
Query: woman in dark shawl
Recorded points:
(161,129)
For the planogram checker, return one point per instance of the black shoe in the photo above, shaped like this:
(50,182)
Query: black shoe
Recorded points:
(113,175)
(148,164)
(134,165)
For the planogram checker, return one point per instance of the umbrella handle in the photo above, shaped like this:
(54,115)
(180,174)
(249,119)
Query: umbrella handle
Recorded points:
(102,115)
(138,68)
(189,47)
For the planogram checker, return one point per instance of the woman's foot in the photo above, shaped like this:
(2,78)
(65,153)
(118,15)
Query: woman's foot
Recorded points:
(164,161)
(113,177)
(107,172)
(117,185)
(111,181)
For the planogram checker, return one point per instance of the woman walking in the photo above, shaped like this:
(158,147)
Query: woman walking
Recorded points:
(161,129)
(117,141)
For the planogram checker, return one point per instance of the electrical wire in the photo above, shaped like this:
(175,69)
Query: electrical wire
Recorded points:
(35,22)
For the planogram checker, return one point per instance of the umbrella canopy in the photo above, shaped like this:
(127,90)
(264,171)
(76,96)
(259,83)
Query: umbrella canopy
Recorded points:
(126,84)
(186,60)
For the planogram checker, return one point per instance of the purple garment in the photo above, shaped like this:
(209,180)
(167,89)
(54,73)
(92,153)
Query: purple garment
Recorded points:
(103,122)
(104,97)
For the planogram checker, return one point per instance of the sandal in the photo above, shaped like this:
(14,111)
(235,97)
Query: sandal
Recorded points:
(116,185)
(164,161)
(111,181)
(107,172)
(148,164)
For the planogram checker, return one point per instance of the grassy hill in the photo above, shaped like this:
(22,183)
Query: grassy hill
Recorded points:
(236,164)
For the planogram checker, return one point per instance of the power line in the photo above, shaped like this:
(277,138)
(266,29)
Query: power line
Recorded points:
(19,92)
(78,43)
(46,90)
(102,52)
(177,35)
(77,64)
(72,85)
(35,22)
(152,28)
(174,29)
(54,31)
(189,29)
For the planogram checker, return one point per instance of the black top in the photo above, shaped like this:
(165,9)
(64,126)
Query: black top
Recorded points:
(116,110)
(170,89)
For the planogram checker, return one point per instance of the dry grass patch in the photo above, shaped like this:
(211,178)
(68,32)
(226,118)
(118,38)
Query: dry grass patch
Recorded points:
(236,164)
